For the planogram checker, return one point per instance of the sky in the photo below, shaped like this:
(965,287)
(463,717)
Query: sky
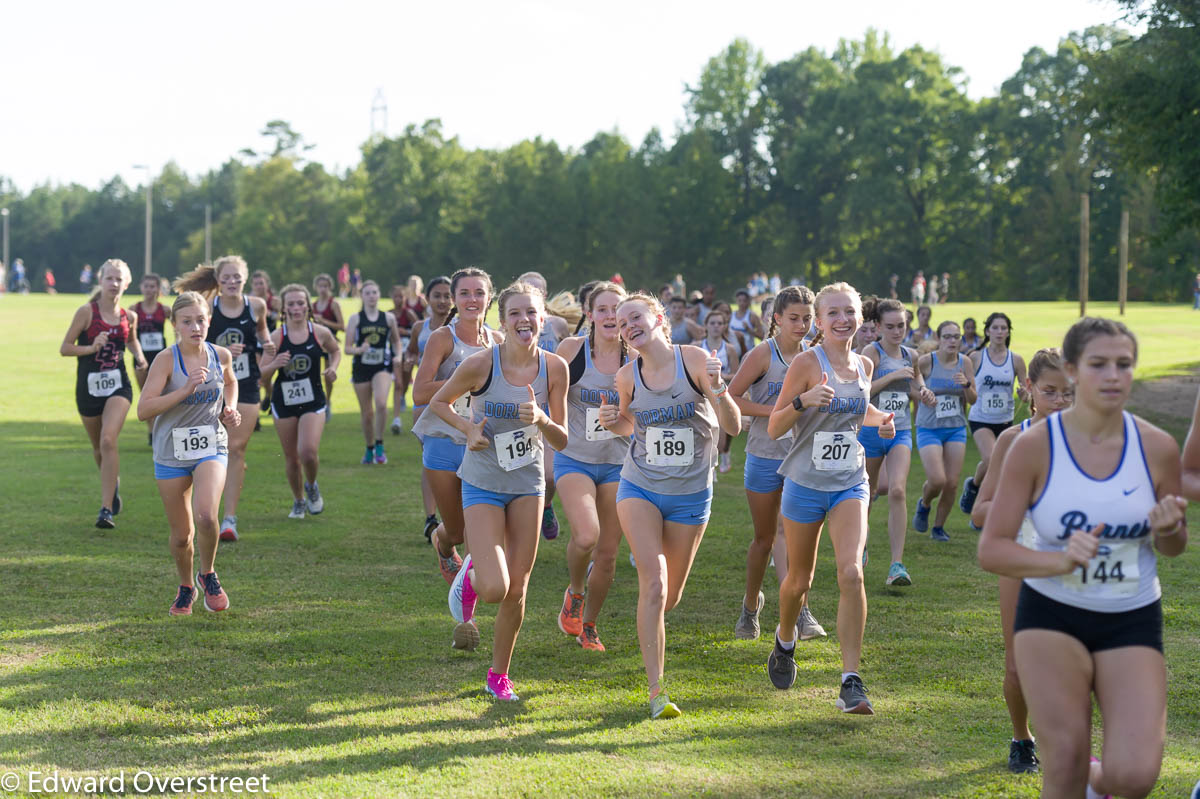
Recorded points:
(88,90)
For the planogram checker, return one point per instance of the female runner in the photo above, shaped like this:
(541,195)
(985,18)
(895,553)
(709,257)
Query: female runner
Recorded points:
(298,402)
(442,445)
(896,381)
(671,399)
(409,307)
(190,394)
(440,303)
(588,469)
(942,427)
(720,343)
(98,335)
(372,342)
(761,376)
(260,286)
(1053,392)
(922,331)
(554,330)
(824,400)
(151,331)
(1101,489)
(239,324)
(518,405)
(327,312)
(997,370)
(745,323)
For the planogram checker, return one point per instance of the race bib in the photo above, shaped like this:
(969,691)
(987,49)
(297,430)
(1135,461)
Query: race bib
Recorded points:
(948,405)
(518,448)
(373,357)
(241,366)
(151,342)
(103,384)
(1115,569)
(893,401)
(297,392)
(670,446)
(835,452)
(462,406)
(996,402)
(194,443)
(593,430)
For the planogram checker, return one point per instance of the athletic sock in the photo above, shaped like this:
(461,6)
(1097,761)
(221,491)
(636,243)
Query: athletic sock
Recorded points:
(788,647)
(847,674)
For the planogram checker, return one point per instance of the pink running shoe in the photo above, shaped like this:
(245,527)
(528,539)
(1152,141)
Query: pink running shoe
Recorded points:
(499,686)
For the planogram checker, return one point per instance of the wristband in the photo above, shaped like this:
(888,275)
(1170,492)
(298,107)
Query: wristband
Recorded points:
(718,392)
(798,404)
(1174,531)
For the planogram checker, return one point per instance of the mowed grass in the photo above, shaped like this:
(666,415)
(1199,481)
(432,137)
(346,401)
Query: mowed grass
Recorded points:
(332,672)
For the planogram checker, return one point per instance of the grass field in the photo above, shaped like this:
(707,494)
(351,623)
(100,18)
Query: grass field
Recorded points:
(332,672)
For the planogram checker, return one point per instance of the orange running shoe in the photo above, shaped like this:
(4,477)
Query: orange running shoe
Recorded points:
(570,618)
(183,601)
(449,565)
(215,598)
(589,638)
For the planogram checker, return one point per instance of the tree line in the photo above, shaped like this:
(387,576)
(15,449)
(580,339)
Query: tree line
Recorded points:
(853,164)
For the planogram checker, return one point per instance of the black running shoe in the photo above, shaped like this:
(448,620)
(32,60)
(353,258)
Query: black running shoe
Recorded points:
(431,523)
(1022,757)
(781,666)
(853,697)
(966,501)
(105,520)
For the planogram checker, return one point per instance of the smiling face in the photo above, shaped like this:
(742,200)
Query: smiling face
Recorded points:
(603,316)
(191,323)
(522,317)
(839,316)
(637,323)
(892,327)
(1104,375)
(471,297)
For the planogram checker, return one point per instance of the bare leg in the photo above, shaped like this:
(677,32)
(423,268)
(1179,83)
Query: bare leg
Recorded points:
(953,454)
(802,540)
(207,482)
(604,556)
(985,439)
(365,411)
(288,431)
(379,386)
(579,502)
(1018,712)
(764,514)
(897,464)
(308,444)
(239,438)
(1135,719)
(176,496)
(848,532)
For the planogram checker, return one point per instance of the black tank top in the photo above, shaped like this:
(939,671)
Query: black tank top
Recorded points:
(243,330)
(377,334)
(304,365)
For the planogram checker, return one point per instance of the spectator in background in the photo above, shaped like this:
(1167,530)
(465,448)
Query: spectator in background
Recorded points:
(776,283)
(343,276)
(616,278)
(85,279)
(918,288)
(665,293)
(356,283)
(945,287)
(932,293)
(48,277)
(708,296)
(20,283)
(678,287)
(893,281)
(1196,293)
(3,277)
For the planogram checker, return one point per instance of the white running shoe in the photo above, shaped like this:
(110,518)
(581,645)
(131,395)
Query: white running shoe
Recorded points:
(313,499)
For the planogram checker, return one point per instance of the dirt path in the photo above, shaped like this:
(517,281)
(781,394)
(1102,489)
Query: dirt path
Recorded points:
(1172,396)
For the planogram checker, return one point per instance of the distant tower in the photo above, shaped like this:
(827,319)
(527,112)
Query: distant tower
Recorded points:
(378,115)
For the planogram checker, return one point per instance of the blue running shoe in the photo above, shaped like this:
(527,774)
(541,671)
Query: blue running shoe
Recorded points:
(369,457)
(939,534)
(920,520)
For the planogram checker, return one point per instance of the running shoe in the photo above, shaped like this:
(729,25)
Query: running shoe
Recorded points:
(229,529)
(368,457)
(462,596)
(1022,757)
(431,523)
(570,618)
(807,626)
(116,503)
(265,404)
(632,560)
(920,519)
(215,598)
(589,638)
(898,575)
(853,697)
(182,606)
(747,628)
(781,666)
(466,636)
(939,534)
(549,524)
(966,500)
(105,520)
(313,500)
(297,509)
(449,564)
(663,708)
(397,426)
(380,458)
(976,528)
(499,686)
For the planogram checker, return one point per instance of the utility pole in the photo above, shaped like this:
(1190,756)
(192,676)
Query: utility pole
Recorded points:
(1123,261)
(149,210)
(1083,253)
(4,216)
(378,115)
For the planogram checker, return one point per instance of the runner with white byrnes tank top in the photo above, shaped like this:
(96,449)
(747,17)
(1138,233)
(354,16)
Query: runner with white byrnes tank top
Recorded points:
(671,400)
(824,401)
(1102,488)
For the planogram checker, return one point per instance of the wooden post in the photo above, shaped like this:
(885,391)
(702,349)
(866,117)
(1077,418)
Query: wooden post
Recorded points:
(1083,253)
(1123,262)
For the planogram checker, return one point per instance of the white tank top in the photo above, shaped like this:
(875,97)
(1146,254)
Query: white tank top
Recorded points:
(1027,532)
(1123,576)
(994,383)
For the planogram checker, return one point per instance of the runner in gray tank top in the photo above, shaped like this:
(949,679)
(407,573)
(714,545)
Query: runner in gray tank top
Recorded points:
(191,393)
(683,330)
(587,471)
(442,445)
(665,492)
(942,427)
(760,376)
(896,381)
(825,400)
(519,407)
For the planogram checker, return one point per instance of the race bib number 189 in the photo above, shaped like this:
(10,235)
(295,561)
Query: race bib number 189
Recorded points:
(670,446)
